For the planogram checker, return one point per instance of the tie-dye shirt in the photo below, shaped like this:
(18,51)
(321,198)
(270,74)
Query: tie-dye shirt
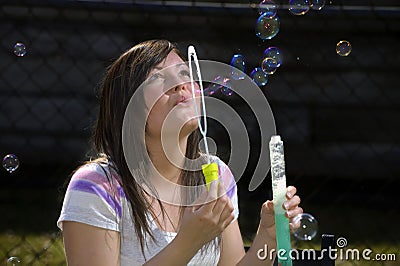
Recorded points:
(97,199)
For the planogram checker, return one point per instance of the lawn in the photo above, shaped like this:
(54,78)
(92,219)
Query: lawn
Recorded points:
(28,228)
(47,249)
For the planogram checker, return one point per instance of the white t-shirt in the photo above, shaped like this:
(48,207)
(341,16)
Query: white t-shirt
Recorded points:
(93,198)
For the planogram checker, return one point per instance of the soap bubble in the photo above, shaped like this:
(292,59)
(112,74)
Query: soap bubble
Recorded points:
(269,65)
(267,28)
(19,49)
(227,87)
(13,261)
(259,76)
(211,89)
(219,83)
(10,163)
(317,4)
(212,146)
(308,226)
(275,53)
(227,91)
(267,7)
(239,67)
(343,48)
(298,7)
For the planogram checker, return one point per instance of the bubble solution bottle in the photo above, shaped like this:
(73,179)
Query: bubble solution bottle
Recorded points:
(279,196)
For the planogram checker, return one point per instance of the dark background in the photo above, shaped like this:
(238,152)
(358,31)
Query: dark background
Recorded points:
(338,116)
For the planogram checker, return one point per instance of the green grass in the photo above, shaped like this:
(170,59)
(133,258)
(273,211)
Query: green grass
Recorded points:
(29,214)
(47,249)
(32,249)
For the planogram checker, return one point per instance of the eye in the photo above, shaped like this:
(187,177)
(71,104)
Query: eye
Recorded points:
(154,77)
(185,73)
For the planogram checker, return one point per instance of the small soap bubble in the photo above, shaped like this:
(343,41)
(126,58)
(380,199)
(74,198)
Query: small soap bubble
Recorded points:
(308,226)
(239,67)
(269,65)
(267,7)
(13,261)
(10,163)
(298,7)
(275,53)
(219,83)
(19,49)
(259,76)
(211,89)
(226,91)
(212,146)
(226,88)
(317,4)
(267,28)
(343,48)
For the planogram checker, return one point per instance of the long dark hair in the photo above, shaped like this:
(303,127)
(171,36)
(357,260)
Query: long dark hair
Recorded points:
(120,82)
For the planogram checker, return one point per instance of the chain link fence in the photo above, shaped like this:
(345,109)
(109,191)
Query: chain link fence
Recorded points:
(338,115)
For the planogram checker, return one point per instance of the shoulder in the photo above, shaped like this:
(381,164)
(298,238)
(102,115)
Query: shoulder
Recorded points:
(94,178)
(222,166)
(93,197)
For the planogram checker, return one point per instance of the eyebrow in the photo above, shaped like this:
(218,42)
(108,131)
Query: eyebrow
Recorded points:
(176,66)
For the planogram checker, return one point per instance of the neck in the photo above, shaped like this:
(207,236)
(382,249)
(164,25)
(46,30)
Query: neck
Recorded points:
(167,155)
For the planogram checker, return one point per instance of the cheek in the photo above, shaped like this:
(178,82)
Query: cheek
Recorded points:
(157,114)
(152,96)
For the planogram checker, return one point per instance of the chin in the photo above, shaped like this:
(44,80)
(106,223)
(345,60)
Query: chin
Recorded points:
(189,127)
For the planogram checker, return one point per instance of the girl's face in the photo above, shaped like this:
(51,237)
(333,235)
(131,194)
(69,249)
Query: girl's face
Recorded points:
(168,95)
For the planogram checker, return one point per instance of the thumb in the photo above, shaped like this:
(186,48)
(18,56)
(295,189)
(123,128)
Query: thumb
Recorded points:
(268,208)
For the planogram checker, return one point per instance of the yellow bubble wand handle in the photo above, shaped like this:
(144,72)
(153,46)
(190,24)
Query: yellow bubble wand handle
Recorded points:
(210,171)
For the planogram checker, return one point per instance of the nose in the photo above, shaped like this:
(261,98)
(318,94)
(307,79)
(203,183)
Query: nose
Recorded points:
(180,87)
(177,83)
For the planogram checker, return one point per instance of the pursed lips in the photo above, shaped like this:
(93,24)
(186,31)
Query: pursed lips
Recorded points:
(182,99)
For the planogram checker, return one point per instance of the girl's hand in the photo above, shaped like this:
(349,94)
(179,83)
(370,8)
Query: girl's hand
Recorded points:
(202,223)
(291,205)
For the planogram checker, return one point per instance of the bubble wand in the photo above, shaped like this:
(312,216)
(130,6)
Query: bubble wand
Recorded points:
(210,170)
(279,195)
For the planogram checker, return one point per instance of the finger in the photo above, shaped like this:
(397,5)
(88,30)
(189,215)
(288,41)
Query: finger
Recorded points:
(213,193)
(268,206)
(227,215)
(228,220)
(294,226)
(293,213)
(223,208)
(221,188)
(295,222)
(211,197)
(267,214)
(226,187)
(291,203)
(226,211)
(290,192)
